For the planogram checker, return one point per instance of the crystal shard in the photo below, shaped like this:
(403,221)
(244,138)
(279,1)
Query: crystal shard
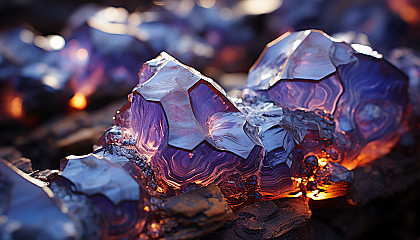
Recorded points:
(372,107)
(29,209)
(364,93)
(95,175)
(190,131)
(299,55)
(114,186)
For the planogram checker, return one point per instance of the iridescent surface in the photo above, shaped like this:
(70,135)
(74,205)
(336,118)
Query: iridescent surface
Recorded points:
(148,130)
(299,55)
(113,186)
(309,95)
(185,125)
(365,94)
(276,181)
(29,209)
(372,107)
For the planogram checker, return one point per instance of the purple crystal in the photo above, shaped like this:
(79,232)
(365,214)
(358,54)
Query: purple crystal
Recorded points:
(276,181)
(115,187)
(365,94)
(30,209)
(372,107)
(310,95)
(187,127)
(408,61)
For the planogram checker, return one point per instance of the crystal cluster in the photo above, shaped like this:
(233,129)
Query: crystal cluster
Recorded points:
(364,94)
(314,108)
(187,127)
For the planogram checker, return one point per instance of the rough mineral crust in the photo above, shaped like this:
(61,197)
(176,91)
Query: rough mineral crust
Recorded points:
(193,214)
(281,219)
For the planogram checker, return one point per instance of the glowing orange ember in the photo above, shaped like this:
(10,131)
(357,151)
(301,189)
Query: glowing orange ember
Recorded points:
(78,101)
(322,162)
(159,189)
(16,110)
(407,10)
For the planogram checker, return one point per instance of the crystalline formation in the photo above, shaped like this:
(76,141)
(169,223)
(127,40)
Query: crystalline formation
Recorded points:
(314,109)
(186,126)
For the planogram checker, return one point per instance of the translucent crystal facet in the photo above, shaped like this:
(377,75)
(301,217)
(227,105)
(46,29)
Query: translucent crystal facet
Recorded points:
(187,127)
(95,175)
(299,55)
(113,185)
(29,207)
(364,93)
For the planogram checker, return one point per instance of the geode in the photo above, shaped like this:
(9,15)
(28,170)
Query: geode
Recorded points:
(189,130)
(364,93)
(314,108)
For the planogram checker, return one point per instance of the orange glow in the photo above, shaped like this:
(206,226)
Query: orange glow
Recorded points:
(159,189)
(146,208)
(322,162)
(410,14)
(78,101)
(406,9)
(155,227)
(298,181)
(16,110)
(82,54)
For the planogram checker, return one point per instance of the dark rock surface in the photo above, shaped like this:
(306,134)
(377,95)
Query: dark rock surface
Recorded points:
(281,219)
(194,214)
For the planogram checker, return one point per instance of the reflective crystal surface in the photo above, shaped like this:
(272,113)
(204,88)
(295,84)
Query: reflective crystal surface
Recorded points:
(299,55)
(114,186)
(364,93)
(190,131)
(92,175)
(29,210)
(312,104)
